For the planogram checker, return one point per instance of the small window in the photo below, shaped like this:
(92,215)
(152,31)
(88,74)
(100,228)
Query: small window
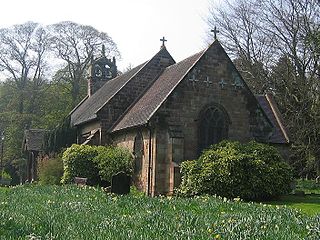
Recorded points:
(138,152)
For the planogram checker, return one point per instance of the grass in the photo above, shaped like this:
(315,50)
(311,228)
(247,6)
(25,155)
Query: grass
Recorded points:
(68,212)
(309,204)
(308,186)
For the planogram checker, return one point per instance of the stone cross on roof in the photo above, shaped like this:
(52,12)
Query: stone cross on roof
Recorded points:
(163,40)
(215,31)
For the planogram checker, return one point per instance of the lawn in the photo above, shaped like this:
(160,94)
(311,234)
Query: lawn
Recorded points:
(69,212)
(309,204)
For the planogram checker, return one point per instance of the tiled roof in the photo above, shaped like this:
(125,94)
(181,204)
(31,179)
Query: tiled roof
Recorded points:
(34,139)
(141,111)
(88,109)
(269,106)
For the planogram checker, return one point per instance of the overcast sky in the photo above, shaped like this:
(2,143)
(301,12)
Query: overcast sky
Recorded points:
(136,26)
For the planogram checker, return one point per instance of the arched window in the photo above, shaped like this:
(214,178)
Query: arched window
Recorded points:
(213,126)
(138,152)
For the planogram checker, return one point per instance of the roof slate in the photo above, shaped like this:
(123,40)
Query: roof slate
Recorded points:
(88,109)
(270,108)
(147,105)
(34,139)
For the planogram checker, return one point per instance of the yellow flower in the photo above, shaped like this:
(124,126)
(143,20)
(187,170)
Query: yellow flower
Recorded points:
(217,236)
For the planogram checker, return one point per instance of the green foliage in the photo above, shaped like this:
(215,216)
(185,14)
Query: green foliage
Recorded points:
(308,186)
(231,169)
(62,213)
(6,179)
(112,160)
(78,162)
(50,170)
(6,176)
(95,163)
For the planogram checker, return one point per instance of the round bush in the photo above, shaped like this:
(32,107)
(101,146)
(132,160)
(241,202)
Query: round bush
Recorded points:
(78,162)
(112,160)
(251,171)
(95,163)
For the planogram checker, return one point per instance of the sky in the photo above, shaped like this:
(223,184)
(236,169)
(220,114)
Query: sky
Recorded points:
(136,26)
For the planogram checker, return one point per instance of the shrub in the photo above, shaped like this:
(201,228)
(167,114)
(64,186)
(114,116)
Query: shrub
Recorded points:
(96,163)
(78,162)
(50,170)
(251,171)
(112,160)
(6,176)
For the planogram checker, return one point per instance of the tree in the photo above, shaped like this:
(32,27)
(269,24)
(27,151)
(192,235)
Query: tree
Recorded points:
(23,63)
(75,44)
(242,36)
(275,46)
(22,59)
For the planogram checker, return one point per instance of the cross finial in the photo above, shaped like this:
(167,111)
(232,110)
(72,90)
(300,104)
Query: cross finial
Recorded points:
(215,31)
(163,40)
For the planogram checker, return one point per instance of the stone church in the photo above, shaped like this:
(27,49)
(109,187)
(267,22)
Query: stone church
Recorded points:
(166,112)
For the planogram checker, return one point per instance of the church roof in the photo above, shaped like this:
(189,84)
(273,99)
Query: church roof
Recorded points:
(87,111)
(34,139)
(269,106)
(142,110)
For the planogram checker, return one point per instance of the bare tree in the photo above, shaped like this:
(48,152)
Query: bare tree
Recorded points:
(274,44)
(238,22)
(23,59)
(75,44)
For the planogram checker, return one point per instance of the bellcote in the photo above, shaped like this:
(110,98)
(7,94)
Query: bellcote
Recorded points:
(101,70)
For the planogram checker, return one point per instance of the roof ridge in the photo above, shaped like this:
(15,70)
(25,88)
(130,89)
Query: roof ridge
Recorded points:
(135,101)
(128,80)
(142,66)
(197,57)
(201,53)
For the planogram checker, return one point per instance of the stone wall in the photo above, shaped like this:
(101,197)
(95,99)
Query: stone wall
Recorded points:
(213,80)
(201,88)
(126,139)
(175,136)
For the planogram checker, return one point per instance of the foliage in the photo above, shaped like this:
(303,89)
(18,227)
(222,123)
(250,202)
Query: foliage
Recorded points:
(78,162)
(95,163)
(6,175)
(31,94)
(308,186)
(6,179)
(231,169)
(50,170)
(75,44)
(112,160)
(62,213)
(23,60)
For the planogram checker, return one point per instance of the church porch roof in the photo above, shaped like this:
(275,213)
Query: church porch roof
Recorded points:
(33,139)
